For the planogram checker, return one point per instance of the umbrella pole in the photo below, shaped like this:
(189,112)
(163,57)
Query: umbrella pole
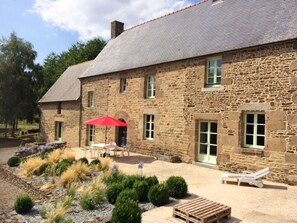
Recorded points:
(105,134)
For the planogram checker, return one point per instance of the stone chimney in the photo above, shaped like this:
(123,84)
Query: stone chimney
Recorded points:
(116,28)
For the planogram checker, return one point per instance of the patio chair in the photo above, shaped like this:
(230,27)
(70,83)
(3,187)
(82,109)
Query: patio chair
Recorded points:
(250,178)
(124,149)
(111,147)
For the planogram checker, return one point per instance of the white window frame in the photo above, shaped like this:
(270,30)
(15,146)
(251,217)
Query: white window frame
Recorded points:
(91,134)
(59,127)
(151,87)
(151,126)
(215,68)
(123,85)
(255,132)
(90,99)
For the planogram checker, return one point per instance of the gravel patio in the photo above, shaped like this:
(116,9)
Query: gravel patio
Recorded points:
(275,202)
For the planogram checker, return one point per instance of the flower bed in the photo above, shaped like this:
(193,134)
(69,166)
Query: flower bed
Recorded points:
(76,190)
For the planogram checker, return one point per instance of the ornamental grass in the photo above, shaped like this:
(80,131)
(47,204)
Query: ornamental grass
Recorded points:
(54,156)
(68,154)
(75,173)
(105,163)
(31,166)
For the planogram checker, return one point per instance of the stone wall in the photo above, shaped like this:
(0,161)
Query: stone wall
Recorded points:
(70,116)
(255,79)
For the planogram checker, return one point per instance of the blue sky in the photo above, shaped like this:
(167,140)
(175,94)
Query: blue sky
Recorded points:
(54,25)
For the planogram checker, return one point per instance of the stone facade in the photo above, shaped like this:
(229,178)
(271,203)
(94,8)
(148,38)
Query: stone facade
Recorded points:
(261,79)
(70,117)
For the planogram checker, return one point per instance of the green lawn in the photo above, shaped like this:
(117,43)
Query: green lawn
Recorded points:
(22,126)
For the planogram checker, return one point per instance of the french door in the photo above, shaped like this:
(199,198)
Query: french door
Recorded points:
(207,142)
(59,130)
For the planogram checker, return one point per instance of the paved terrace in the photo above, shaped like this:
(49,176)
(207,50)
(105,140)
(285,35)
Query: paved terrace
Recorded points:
(274,203)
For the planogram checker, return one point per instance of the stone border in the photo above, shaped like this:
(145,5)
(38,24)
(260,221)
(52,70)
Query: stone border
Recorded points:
(10,177)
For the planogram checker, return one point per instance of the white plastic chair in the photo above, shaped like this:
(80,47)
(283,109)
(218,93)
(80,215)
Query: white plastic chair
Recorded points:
(250,178)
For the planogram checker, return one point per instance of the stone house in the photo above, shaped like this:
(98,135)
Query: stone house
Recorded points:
(60,107)
(214,83)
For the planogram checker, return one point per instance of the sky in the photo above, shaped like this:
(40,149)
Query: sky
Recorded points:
(54,25)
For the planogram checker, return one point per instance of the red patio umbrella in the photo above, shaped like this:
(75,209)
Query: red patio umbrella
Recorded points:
(105,121)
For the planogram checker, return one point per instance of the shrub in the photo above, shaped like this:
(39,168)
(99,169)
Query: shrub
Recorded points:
(130,180)
(14,161)
(127,195)
(87,203)
(23,204)
(151,181)
(159,194)
(177,187)
(43,168)
(31,166)
(141,187)
(112,192)
(127,211)
(62,166)
(116,177)
(95,162)
(84,160)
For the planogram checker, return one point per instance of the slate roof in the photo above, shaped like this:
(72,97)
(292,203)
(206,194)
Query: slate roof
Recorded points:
(199,30)
(67,87)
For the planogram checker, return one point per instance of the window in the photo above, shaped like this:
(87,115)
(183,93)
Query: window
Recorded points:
(254,129)
(149,127)
(91,99)
(151,87)
(59,131)
(123,85)
(214,71)
(91,134)
(59,107)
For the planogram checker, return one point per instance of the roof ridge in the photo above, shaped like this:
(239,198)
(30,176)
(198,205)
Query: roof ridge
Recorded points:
(171,13)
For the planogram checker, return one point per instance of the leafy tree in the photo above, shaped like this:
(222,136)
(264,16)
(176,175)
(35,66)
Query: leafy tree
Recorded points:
(17,80)
(56,64)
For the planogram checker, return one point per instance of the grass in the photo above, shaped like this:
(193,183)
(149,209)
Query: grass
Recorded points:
(31,166)
(22,126)
(75,173)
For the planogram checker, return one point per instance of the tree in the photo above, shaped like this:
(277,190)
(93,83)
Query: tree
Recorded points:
(56,64)
(17,70)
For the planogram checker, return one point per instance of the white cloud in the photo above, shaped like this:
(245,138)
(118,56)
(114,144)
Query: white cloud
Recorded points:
(91,18)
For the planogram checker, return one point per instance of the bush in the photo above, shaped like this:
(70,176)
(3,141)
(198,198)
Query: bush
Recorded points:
(158,194)
(84,160)
(177,187)
(151,181)
(62,166)
(87,203)
(14,161)
(95,162)
(130,180)
(116,177)
(127,211)
(141,187)
(113,191)
(127,195)
(43,168)
(23,204)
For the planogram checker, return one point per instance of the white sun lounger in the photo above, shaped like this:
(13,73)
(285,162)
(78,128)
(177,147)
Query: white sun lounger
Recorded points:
(250,178)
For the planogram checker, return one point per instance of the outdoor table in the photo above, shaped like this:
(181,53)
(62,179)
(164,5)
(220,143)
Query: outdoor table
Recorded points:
(100,146)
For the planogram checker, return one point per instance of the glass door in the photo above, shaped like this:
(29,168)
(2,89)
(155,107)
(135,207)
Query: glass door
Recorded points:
(59,131)
(207,142)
